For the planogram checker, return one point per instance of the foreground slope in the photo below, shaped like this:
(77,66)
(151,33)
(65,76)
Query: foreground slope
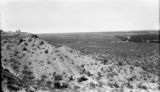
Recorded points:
(31,64)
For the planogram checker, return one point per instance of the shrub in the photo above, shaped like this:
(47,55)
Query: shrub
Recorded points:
(153,38)
(58,77)
(27,75)
(142,87)
(34,36)
(82,79)
(58,85)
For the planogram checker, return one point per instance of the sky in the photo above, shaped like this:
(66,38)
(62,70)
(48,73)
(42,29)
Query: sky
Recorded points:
(64,16)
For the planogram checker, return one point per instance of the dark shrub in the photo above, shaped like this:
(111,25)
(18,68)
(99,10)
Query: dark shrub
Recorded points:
(129,86)
(24,49)
(27,76)
(58,77)
(116,85)
(71,78)
(151,38)
(122,38)
(158,87)
(58,85)
(15,67)
(82,79)
(46,51)
(13,87)
(34,36)
(43,77)
(26,44)
(130,79)
(49,84)
(76,87)
(142,87)
(20,41)
(41,43)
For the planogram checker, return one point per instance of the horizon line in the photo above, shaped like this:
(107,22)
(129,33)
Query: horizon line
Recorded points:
(148,30)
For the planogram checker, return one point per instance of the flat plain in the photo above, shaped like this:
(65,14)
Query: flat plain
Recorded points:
(115,46)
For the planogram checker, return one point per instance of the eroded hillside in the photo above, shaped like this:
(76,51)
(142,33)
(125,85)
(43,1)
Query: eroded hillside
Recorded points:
(31,64)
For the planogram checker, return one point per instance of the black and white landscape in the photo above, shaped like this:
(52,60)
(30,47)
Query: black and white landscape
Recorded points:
(80,62)
(80,45)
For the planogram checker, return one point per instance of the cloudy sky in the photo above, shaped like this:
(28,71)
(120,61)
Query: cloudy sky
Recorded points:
(58,16)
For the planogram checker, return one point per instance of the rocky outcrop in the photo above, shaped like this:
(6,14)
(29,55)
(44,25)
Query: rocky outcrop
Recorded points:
(35,65)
